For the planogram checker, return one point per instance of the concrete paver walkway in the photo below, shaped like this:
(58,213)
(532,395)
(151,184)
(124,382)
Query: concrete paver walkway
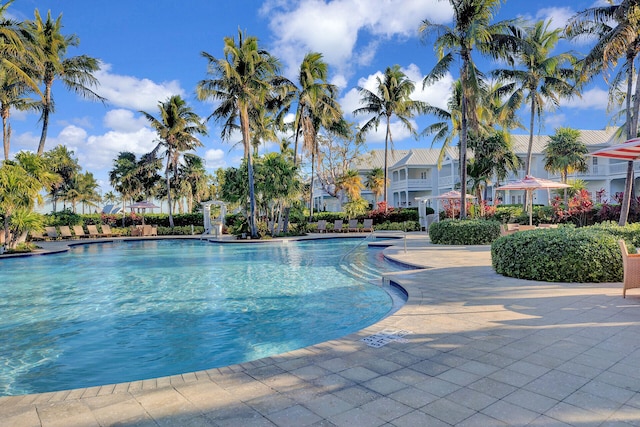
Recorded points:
(480,349)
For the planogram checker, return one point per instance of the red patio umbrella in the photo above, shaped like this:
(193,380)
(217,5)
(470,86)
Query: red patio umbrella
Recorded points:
(628,150)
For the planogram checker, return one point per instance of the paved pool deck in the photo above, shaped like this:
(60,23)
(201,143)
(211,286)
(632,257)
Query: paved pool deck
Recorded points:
(472,348)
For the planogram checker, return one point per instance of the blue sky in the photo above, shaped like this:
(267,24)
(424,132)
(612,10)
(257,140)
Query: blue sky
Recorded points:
(150,50)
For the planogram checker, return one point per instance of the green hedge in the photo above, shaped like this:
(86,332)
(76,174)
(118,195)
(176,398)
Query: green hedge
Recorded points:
(464,232)
(565,254)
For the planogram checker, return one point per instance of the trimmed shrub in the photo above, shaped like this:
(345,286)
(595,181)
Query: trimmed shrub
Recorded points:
(565,254)
(464,232)
(405,225)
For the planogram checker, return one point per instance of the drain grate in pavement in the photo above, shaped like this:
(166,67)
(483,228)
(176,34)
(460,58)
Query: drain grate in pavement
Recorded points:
(385,337)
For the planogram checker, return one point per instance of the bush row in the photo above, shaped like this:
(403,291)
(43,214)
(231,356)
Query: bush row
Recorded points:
(565,254)
(467,232)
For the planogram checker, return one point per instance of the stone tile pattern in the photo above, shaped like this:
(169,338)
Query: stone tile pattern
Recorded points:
(484,350)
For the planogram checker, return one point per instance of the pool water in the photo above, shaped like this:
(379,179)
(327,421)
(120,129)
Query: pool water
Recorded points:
(125,311)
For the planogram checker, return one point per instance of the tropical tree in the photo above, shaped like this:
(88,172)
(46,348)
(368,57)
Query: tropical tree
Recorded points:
(564,154)
(83,190)
(544,78)
(194,180)
(392,97)
(110,197)
(18,75)
(375,182)
(351,184)
(617,28)
(124,179)
(177,127)
(472,30)
(20,184)
(243,80)
(76,73)
(61,161)
(278,185)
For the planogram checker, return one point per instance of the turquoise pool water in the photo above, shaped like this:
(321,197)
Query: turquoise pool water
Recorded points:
(125,311)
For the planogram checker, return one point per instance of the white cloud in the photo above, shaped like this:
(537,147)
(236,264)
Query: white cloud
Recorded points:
(333,27)
(559,16)
(122,120)
(132,92)
(592,99)
(99,151)
(214,159)
(554,121)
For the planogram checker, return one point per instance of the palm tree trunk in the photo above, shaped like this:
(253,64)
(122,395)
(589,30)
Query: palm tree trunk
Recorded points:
(5,132)
(313,157)
(246,141)
(463,157)
(166,174)
(386,164)
(45,116)
(632,131)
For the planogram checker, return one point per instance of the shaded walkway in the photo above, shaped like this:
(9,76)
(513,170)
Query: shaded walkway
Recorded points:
(482,350)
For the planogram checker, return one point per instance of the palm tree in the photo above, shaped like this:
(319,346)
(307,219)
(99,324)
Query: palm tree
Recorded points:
(472,30)
(351,183)
(76,72)
(544,79)
(565,153)
(124,179)
(392,97)
(375,182)
(313,95)
(61,161)
(17,73)
(193,179)
(243,80)
(618,31)
(177,128)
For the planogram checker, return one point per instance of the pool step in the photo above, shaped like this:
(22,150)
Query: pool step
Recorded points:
(361,271)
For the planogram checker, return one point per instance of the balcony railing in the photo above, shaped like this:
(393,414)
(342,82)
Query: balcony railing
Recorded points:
(411,184)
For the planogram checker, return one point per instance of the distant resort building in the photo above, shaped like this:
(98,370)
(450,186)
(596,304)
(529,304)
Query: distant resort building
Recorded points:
(414,173)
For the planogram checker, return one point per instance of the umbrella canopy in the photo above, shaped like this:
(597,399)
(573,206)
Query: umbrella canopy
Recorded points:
(142,205)
(530,183)
(628,150)
(449,195)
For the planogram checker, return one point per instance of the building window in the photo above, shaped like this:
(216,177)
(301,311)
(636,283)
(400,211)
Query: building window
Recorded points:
(423,175)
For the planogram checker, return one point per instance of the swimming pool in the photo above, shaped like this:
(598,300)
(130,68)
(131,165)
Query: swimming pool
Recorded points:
(124,311)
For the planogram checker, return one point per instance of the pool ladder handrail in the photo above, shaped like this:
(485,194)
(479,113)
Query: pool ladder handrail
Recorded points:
(371,236)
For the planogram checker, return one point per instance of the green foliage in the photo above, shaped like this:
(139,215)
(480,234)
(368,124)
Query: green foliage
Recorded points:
(180,230)
(405,225)
(464,232)
(64,217)
(565,254)
(356,207)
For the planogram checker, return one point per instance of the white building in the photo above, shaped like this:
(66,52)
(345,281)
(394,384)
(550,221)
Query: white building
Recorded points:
(414,173)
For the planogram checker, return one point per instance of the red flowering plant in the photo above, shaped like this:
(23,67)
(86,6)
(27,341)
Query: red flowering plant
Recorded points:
(580,207)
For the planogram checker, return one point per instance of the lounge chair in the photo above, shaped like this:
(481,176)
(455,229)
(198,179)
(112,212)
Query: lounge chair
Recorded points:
(34,235)
(136,231)
(51,233)
(148,230)
(79,231)
(322,226)
(337,226)
(353,225)
(526,227)
(65,232)
(368,225)
(631,267)
(93,231)
(106,230)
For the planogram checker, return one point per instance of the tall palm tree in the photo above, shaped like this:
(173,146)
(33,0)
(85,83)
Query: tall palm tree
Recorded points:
(617,29)
(243,80)
(375,182)
(76,73)
(177,127)
(544,78)
(314,94)
(392,97)
(193,179)
(472,30)
(18,75)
